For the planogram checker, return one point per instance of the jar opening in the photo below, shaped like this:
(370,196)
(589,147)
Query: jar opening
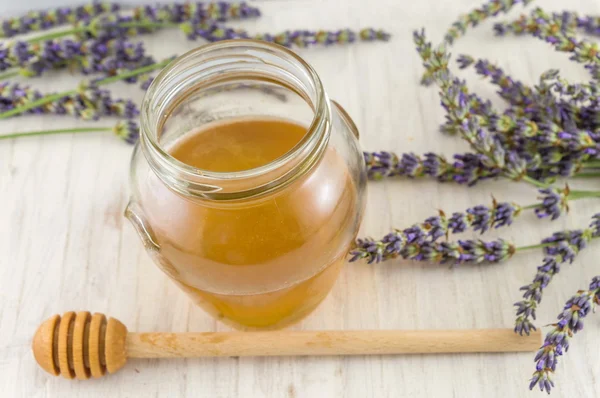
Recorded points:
(225,80)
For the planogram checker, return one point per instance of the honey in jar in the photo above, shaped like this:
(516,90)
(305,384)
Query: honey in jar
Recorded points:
(253,214)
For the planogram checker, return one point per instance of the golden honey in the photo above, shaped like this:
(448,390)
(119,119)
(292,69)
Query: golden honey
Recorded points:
(262,262)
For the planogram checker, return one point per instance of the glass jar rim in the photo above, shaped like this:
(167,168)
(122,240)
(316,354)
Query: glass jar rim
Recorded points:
(317,134)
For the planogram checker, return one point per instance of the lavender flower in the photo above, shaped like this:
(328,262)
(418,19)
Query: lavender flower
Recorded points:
(481,218)
(576,93)
(590,25)
(213,31)
(146,81)
(419,241)
(179,12)
(542,120)
(467,168)
(41,20)
(47,101)
(90,103)
(515,92)
(128,131)
(554,202)
(89,56)
(550,29)
(15,95)
(570,321)
(538,141)
(475,17)
(472,19)
(561,247)
(171,13)
(568,21)
(411,246)
(454,95)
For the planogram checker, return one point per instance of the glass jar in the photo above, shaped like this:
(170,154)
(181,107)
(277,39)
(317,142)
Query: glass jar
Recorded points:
(257,248)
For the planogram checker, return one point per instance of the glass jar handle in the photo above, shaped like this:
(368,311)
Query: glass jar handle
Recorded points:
(347,119)
(133,214)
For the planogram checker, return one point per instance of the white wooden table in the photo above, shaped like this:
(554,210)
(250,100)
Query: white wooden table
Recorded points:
(64,243)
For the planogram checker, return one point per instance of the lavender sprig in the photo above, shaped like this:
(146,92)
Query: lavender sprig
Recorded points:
(128,131)
(145,19)
(478,218)
(89,56)
(95,83)
(115,26)
(467,168)
(180,12)
(41,20)
(88,102)
(514,92)
(518,159)
(569,20)
(543,124)
(559,248)
(472,19)
(557,341)
(552,204)
(549,120)
(550,28)
(562,247)
(212,31)
(454,95)
(487,10)
(411,248)
(110,50)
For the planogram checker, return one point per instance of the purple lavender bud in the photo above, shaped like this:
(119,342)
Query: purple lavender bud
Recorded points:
(128,131)
(458,223)
(146,83)
(554,202)
(464,61)
(437,227)
(410,165)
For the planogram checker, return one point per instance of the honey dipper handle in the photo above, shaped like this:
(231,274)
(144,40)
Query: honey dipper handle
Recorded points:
(363,342)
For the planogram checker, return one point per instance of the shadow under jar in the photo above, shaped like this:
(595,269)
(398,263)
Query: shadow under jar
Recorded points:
(248,183)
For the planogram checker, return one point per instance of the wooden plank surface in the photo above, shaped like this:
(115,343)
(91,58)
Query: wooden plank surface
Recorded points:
(65,245)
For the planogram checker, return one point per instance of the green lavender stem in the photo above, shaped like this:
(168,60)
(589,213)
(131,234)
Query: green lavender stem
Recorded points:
(531,247)
(591,164)
(34,104)
(59,34)
(535,182)
(101,82)
(9,74)
(587,175)
(59,131)
(148,25)
(574,195)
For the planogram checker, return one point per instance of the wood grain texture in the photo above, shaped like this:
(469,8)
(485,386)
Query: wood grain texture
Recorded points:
(63,239)
(327,342)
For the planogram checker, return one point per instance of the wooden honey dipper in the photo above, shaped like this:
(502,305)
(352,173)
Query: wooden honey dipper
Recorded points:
(83,345)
